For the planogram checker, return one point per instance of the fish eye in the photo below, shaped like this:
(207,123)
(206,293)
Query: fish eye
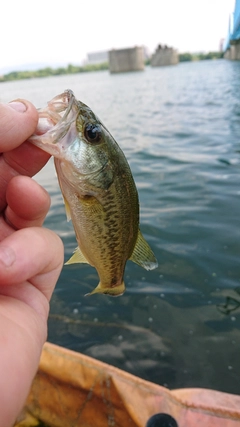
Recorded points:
(92,133)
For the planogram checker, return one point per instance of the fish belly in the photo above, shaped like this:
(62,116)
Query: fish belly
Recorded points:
(106,228)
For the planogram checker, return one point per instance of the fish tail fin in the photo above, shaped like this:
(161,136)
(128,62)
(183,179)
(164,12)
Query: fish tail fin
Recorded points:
(114,291)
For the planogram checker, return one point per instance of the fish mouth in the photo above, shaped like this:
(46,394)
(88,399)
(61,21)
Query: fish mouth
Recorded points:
(55,121)
(59,107)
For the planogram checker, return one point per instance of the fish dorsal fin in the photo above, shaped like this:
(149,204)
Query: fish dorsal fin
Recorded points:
(67,209)
(143,254)
(77,257)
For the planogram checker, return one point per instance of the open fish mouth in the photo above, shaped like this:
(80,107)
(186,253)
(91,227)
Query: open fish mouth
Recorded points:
(55,121)
(57,111)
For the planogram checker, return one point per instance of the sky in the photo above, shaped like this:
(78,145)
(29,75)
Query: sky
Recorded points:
(55,32)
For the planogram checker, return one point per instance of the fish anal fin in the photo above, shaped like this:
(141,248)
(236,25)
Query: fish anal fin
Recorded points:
(143,254)
(113,291)
(77,257)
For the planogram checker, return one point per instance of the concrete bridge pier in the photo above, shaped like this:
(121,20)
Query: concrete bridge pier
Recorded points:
(233,53)
(164,55)
(124,60)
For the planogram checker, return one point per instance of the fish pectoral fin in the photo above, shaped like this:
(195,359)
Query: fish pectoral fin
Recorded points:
(77,257)
(113,291)
(143,254)
(67,209)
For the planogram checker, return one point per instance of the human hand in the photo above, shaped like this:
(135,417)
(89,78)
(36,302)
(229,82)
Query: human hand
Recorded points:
(31,258)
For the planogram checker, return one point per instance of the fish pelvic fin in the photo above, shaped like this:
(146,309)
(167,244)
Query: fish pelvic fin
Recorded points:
(77,257)
(143,254)
(113,291)
(67,209)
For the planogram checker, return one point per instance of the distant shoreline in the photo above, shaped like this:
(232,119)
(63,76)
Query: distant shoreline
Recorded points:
(74,69)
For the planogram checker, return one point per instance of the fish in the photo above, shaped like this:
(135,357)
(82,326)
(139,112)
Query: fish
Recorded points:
(98,190)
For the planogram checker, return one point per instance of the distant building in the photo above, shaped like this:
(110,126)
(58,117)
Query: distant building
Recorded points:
(164,55)
(129,59)
(147,53)
(221,43)
(97,57)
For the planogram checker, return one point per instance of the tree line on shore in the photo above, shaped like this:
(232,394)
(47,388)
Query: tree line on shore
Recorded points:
(74,69)
(200,56)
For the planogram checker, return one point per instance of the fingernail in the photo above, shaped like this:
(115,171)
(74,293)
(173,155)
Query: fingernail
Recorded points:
(7,256)
(18,106)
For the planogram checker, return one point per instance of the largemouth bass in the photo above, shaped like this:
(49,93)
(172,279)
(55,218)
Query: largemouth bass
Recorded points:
(98,190)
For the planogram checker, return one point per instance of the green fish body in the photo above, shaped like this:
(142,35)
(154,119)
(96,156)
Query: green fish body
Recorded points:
(98,189)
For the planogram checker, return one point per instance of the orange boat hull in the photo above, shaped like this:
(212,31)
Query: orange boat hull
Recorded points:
(71,389)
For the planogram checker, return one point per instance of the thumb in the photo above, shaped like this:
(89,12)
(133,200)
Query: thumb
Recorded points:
(18,120)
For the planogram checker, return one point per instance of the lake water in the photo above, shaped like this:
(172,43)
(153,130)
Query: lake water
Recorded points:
(179,127)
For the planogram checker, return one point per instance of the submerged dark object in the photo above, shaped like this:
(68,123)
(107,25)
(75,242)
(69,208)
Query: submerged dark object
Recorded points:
(161,420)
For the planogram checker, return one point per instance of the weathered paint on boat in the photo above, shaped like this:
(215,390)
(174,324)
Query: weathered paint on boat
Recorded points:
(71,389)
